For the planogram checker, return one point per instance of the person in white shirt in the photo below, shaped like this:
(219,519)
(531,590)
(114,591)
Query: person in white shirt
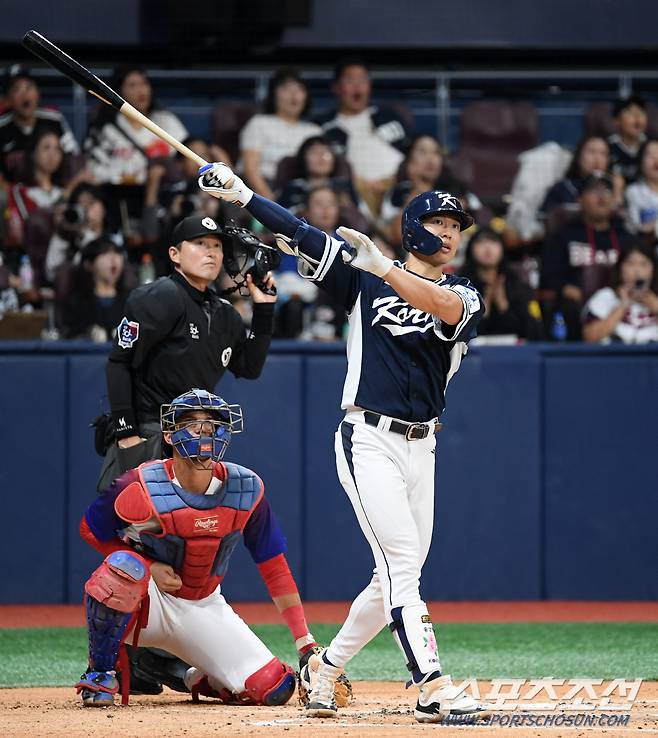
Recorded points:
(629,312)
(642,196)
(278,132)
(119,150)
(372,139)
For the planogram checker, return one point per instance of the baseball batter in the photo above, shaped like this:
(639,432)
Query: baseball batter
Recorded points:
(409,326)
(168,529)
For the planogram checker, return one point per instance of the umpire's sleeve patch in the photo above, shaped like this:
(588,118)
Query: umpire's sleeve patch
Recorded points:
(127,333)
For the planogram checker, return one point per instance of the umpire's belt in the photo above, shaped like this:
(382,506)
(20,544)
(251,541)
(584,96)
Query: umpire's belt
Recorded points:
(411,431)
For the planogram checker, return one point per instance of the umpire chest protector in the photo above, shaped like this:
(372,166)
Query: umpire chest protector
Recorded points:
(198,533)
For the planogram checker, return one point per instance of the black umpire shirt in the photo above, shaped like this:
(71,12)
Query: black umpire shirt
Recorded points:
(173,338)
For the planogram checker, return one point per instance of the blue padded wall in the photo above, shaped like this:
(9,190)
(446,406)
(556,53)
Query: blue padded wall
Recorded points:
(601,477)
(33,478)
(545,473)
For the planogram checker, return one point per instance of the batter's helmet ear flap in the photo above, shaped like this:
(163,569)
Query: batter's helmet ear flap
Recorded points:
(415,237)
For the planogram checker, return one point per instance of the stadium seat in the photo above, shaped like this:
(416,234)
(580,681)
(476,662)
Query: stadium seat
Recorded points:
(493,134)
(227,120)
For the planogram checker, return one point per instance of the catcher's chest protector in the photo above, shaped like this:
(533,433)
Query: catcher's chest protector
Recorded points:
(199,532)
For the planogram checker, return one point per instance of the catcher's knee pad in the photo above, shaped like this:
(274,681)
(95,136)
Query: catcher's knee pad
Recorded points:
(273,684)
(413,630)
(114,593)
(120,582)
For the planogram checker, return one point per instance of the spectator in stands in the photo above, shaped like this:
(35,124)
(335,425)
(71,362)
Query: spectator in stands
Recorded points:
(631,123)
(95,305)
(629,311)
(9,283)
(279,132)
(510,305)
(31,203)
(372,139)
(40,187)
(423,169)
(642,196)
(120,150)
(580,258)
(317,164)
(25,121)
(79,220)
(591,156)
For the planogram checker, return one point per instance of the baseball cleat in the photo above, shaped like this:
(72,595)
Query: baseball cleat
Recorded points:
(321,677)
(98,688)
(440,700)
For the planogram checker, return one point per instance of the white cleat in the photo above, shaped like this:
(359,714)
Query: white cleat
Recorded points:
(321,678)
(439,700)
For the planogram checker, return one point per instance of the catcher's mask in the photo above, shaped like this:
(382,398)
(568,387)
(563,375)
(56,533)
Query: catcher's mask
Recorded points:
(245,254)
(195,438)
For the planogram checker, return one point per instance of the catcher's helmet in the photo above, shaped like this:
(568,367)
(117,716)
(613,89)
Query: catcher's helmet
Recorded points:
(415,237)
(196,443)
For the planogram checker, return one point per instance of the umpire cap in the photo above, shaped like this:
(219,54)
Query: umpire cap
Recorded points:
(197,226)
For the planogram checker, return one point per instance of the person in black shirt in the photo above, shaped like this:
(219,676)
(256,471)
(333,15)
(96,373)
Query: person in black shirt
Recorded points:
(96,303)
(580,258)
(25,120)
(630,116)
(178,333)
(510,306)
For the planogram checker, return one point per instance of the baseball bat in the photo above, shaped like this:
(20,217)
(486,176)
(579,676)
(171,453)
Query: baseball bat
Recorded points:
(69,67)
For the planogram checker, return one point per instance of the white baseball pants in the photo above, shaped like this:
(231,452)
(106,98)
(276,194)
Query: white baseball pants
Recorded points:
(390,483)
(204,633)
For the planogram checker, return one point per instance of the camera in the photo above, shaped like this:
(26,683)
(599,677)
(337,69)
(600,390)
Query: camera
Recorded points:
(640,284)
(74,215)
(244,254)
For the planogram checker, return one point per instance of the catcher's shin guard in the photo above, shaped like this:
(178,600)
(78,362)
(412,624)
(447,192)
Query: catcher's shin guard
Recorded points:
(114,593)
(414,633)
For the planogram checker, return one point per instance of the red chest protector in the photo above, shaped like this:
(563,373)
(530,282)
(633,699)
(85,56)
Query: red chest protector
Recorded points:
(198,532)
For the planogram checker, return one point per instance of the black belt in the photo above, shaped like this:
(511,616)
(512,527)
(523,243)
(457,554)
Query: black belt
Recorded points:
(411,431)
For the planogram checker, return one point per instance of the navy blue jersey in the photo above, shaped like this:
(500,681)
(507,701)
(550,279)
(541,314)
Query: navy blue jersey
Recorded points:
(400,359)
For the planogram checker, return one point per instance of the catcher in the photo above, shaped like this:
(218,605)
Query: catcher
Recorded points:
(168,529)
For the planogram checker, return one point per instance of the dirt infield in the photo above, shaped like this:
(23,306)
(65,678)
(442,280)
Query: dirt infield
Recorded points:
(38,616)
(381,710)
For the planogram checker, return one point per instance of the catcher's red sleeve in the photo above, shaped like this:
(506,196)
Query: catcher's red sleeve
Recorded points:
(279,580)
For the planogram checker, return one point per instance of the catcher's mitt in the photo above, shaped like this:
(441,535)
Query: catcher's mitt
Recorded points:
(308,666)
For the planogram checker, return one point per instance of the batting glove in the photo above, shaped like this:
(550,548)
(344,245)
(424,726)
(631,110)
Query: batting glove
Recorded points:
(363,254)
(220,181)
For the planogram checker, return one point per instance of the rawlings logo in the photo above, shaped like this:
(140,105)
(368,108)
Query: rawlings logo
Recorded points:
(206,524)
(404,318)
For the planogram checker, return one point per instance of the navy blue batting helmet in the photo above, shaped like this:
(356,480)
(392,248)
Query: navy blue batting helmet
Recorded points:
(415,237)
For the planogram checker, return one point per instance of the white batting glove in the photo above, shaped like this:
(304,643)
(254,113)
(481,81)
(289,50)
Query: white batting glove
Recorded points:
(219,180)
(363,254)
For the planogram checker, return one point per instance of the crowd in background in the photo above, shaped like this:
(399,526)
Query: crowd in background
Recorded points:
(570,256)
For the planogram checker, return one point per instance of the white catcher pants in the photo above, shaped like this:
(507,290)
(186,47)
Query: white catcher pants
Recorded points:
(207,634)
(390,483)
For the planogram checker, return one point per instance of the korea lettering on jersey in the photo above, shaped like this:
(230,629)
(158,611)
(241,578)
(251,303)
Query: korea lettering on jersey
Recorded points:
(400,359)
